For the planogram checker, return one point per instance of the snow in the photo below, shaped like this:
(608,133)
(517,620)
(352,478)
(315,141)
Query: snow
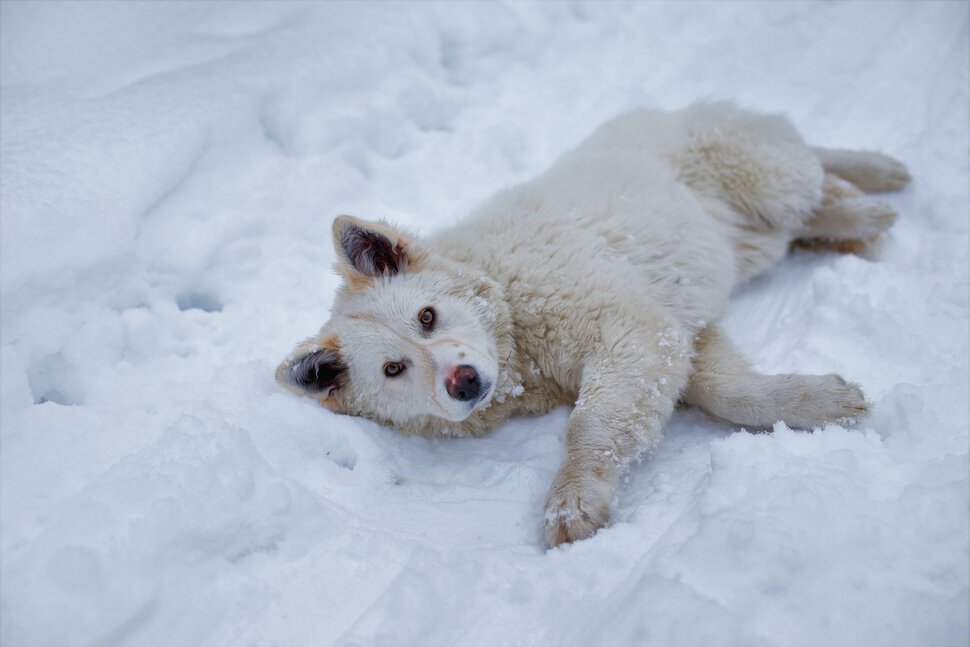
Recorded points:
(167,180)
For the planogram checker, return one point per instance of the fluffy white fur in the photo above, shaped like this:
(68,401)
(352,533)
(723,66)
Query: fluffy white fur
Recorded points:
(597,284)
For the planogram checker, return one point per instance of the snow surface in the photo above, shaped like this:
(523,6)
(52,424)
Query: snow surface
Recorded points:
(169,173)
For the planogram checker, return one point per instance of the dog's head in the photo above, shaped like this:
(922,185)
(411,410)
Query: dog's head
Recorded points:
(412,335)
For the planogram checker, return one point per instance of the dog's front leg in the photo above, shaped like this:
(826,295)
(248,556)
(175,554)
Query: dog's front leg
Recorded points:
(628,392)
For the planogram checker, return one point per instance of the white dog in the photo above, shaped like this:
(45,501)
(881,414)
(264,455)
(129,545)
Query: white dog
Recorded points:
(597,284)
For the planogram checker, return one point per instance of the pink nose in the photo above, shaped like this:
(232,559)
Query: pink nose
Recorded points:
(463,384)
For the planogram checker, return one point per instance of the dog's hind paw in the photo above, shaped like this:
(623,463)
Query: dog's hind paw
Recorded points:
(870,171)
(877,173)
(871,217)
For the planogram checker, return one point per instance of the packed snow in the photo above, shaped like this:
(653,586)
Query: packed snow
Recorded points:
(169,173)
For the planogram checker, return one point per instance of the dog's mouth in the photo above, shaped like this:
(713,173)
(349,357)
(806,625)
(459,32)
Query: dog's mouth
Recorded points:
(478,403)
(485,397)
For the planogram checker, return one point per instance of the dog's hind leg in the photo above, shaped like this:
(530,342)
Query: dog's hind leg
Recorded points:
(871,172)
(845,214)
(726,386)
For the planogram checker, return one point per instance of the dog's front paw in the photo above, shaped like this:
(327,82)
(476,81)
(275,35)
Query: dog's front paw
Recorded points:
(844,401)
(576,509)
(825,399)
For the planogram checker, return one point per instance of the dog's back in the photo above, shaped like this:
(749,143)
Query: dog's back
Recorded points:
(671,210)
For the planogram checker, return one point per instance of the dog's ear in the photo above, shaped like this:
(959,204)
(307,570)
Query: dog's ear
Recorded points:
(315,369)
(373,249)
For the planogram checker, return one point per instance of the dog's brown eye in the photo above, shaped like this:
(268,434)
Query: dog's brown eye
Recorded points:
(393,369)
(427,318)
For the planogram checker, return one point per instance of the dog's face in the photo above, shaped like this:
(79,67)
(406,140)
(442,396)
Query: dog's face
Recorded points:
(409,338)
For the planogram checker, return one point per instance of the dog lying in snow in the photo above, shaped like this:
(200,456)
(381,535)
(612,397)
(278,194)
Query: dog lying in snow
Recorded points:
(597,284)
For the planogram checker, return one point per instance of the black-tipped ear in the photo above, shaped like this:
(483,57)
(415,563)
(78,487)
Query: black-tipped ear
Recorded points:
(372,249)
(318,372)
